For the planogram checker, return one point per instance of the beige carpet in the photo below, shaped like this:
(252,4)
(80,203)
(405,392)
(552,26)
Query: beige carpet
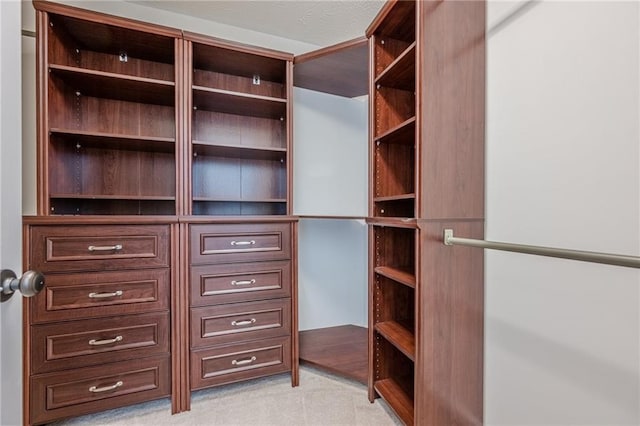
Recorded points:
(321,399)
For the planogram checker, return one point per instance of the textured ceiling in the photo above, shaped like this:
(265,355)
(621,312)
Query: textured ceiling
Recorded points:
(322,23)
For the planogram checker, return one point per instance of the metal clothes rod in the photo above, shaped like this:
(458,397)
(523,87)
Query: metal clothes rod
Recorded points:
(584,256)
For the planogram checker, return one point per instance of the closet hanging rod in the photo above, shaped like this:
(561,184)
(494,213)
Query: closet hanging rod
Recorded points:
(584,256)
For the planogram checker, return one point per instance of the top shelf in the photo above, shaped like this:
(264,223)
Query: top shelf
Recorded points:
(233,62)
(113,39)
(396,20)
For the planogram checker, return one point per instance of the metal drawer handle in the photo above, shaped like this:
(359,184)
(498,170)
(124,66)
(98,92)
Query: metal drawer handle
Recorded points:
(245,282)
(104,295)
(243,322)
(94,342)
(243,361)
(243,243)
(106,388)
(105,248)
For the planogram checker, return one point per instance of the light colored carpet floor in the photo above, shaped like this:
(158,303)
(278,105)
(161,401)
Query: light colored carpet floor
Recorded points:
(320,400)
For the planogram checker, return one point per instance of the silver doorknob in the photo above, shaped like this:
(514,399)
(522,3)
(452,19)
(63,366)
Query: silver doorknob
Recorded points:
(30,283)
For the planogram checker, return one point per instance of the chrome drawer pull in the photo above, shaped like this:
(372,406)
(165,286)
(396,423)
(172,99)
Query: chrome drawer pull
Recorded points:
(104,295)
(106,388)
(243,243)
(105,248)
(94,342)
(245,282)
(243,361)
(243,322)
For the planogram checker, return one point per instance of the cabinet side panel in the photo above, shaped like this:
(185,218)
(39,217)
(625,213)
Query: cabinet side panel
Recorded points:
(449,353)
(451,91)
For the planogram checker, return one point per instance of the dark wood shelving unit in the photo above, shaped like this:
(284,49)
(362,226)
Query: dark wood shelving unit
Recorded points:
(239,151)
(426,174)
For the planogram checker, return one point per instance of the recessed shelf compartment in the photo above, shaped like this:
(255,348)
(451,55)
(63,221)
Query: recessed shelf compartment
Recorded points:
(85,82)
(239,208)
(403,277)
(400,73)
(394,172)
(112,206)
(403,133)
(397,398)
(231,102)
(114,140)
(394,379)
(399,337)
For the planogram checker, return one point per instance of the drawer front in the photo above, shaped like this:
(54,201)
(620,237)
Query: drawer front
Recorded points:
(84,390)
(240,362)
(74,296)
(215,325)
(99,247)
(240,242)
(90,342)
(217,284)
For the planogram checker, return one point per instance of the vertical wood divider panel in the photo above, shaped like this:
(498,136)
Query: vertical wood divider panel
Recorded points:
(187,116)
(289,118)
(295,337)
(42,113)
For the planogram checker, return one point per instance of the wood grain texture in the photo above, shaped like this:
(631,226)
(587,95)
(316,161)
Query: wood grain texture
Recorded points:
(339,70)
(451,301)
(340,350)
(452,112)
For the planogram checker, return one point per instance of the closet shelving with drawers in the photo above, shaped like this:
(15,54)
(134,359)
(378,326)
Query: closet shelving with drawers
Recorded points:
(164,222)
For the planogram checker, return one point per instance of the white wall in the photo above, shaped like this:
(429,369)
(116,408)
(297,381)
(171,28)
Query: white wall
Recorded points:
(332,273)
(330,167)
(10,212)
(563,161)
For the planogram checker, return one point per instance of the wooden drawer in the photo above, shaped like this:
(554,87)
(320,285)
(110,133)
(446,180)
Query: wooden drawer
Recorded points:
(99,247)
(90,342)
(238,362)
(74,296)
(215,325)
(217,284)
(225,243)
(84,390)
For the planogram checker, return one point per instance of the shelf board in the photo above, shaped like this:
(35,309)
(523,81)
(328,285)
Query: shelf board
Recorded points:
(404,133)
(113,197)
(116,86)
(238,200)
(116,141)
(399,337)
(397,399)
(410,196)
(401,73)
(397,275)
(239,151)
(340,350)
(239,103)
(393,222)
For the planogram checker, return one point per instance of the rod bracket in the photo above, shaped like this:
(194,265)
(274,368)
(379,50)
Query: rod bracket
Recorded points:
(448,234)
